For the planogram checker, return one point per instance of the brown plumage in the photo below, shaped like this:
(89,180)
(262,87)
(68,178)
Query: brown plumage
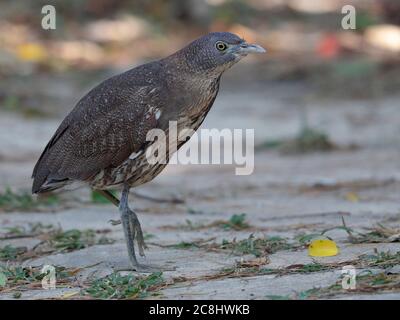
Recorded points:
(102,142)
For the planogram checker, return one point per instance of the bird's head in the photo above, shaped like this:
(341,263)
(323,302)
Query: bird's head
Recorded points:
(217,51)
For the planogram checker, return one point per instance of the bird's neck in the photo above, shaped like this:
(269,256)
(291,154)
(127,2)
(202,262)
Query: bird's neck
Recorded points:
(186,80)
(186,67)
(192,89)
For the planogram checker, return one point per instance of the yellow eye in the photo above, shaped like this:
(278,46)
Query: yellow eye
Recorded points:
(221,46)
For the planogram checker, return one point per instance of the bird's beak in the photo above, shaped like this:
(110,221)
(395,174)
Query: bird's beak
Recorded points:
(246,48)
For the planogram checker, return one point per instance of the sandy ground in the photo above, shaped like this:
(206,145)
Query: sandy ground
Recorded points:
(287,195)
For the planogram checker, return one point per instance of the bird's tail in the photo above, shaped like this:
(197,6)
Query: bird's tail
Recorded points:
(49,185)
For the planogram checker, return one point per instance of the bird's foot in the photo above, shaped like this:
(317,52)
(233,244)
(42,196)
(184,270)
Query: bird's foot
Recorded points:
(136,228)
(133,233)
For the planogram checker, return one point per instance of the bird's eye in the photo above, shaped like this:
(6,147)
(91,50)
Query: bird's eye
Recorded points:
(221,46)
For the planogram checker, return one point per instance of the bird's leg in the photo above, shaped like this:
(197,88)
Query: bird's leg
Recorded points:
(114,200)
(108,195)
(132,228)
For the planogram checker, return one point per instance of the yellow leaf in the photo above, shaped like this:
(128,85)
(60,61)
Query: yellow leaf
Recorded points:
(31,52)
(323,248)
(352,197)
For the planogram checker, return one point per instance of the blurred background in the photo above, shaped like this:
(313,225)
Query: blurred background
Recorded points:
(319,88)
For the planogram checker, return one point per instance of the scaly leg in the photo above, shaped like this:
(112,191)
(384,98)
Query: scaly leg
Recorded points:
(132,231)
(132,228)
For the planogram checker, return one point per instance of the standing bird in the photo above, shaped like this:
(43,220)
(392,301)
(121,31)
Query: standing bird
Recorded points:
(103,143)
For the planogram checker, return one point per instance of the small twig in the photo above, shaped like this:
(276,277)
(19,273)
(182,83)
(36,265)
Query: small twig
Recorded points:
(199,243)
(161,200)
(19,236)
(348,230)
